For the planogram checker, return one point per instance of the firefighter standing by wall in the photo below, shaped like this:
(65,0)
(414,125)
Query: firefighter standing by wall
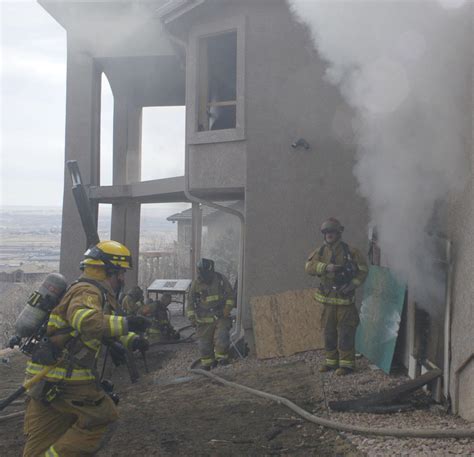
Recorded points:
(341,269)
(68,414)
(210,303)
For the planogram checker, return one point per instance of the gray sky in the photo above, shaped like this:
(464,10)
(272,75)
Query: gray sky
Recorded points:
(32,99)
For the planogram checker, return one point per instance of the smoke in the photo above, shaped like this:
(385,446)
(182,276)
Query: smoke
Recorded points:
(403,67)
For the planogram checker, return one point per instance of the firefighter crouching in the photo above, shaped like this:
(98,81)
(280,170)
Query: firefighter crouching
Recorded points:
(68,413)
(209,306)
(132,301)
(341,270)
(161,329)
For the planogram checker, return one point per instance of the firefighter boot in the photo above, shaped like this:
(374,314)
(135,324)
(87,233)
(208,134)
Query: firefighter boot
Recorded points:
(326,368)
(343,371)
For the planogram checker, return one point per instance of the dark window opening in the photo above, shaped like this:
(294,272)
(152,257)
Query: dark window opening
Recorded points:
(217,89)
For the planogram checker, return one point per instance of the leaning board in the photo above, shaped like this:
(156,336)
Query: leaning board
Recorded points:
(286,323)
(380,316)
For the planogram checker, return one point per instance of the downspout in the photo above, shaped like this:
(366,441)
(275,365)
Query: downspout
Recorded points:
(238,332)
(447,322)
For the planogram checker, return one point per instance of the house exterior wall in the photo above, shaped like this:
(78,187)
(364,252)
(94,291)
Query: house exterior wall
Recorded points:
(461,223)
(289,192)
(217,158)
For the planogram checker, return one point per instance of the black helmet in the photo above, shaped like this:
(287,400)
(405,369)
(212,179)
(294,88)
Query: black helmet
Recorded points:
(205,268)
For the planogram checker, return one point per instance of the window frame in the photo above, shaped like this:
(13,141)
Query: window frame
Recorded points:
(233,24)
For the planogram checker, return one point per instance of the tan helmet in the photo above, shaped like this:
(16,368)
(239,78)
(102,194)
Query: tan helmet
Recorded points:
(331,225)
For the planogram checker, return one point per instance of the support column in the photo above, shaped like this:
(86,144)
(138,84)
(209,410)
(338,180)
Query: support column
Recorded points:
(126,230)
(196,235)
(127,169)
(82,144)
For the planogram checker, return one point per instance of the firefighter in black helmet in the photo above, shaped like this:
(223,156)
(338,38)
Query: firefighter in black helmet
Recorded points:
(210,303)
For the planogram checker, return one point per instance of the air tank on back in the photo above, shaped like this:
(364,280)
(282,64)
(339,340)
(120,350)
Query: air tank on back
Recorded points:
(39,305)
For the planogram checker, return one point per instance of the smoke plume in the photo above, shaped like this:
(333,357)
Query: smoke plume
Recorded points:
(403,67)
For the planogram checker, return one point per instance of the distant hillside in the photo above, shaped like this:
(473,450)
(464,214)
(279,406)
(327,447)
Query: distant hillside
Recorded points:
(38,219)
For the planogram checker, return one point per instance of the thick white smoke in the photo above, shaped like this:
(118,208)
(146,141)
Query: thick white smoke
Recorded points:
(403,67)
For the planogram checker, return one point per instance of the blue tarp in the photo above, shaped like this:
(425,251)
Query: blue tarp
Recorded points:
(380,315)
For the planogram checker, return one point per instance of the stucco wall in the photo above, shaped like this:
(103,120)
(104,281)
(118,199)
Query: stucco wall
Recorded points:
(291,191)
(218,165)
(461,224)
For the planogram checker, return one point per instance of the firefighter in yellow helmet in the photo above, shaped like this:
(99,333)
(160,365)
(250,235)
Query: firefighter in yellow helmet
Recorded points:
(210,303)
(68,413)
(341,270)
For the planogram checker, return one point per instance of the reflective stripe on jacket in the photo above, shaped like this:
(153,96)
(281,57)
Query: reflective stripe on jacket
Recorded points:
(316,266)
(215,298)
(80,323)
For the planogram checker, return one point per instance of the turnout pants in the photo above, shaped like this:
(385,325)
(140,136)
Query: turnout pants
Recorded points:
(214,340)
(340,324)
(72,425)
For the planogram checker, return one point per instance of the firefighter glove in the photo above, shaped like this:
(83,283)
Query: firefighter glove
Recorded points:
(140,344)
(332,268)
(118,353)
(138,324)
(348,288)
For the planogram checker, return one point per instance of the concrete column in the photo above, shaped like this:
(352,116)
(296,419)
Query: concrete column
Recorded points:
(196,235)
(126,230)
(82,144)
(127,169)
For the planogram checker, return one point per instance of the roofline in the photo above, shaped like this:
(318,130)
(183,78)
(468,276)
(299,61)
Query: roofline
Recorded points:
(174,9)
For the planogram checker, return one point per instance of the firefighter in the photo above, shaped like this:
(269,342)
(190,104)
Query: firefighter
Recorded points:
(210,303)
(68,413)
(161,328)
(341,270)
(132,301)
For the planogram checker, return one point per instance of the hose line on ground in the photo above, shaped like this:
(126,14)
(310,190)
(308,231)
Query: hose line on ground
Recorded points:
(11,416)
(401,433)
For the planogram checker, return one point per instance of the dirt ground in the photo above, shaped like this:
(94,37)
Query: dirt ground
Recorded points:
(192,416)
(172,412)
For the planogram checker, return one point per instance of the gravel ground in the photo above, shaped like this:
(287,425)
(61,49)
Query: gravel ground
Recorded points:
(367,379)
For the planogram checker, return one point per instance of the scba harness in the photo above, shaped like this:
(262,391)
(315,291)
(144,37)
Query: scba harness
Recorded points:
(346,273)
(206,311)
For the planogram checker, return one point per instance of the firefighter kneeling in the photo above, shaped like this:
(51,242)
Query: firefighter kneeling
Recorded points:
(209,306)
(161,329)
(68,412)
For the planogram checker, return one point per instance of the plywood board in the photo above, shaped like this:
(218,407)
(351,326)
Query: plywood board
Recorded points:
(286,323)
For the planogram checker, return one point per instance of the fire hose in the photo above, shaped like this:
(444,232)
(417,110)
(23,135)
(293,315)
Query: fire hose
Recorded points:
(400,433)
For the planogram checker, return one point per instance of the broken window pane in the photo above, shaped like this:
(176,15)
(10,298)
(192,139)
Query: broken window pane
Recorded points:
(217,89)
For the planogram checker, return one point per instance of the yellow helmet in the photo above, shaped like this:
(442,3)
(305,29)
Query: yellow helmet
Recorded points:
(109,254)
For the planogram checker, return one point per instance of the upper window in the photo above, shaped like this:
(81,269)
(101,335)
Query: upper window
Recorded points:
(217,82)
